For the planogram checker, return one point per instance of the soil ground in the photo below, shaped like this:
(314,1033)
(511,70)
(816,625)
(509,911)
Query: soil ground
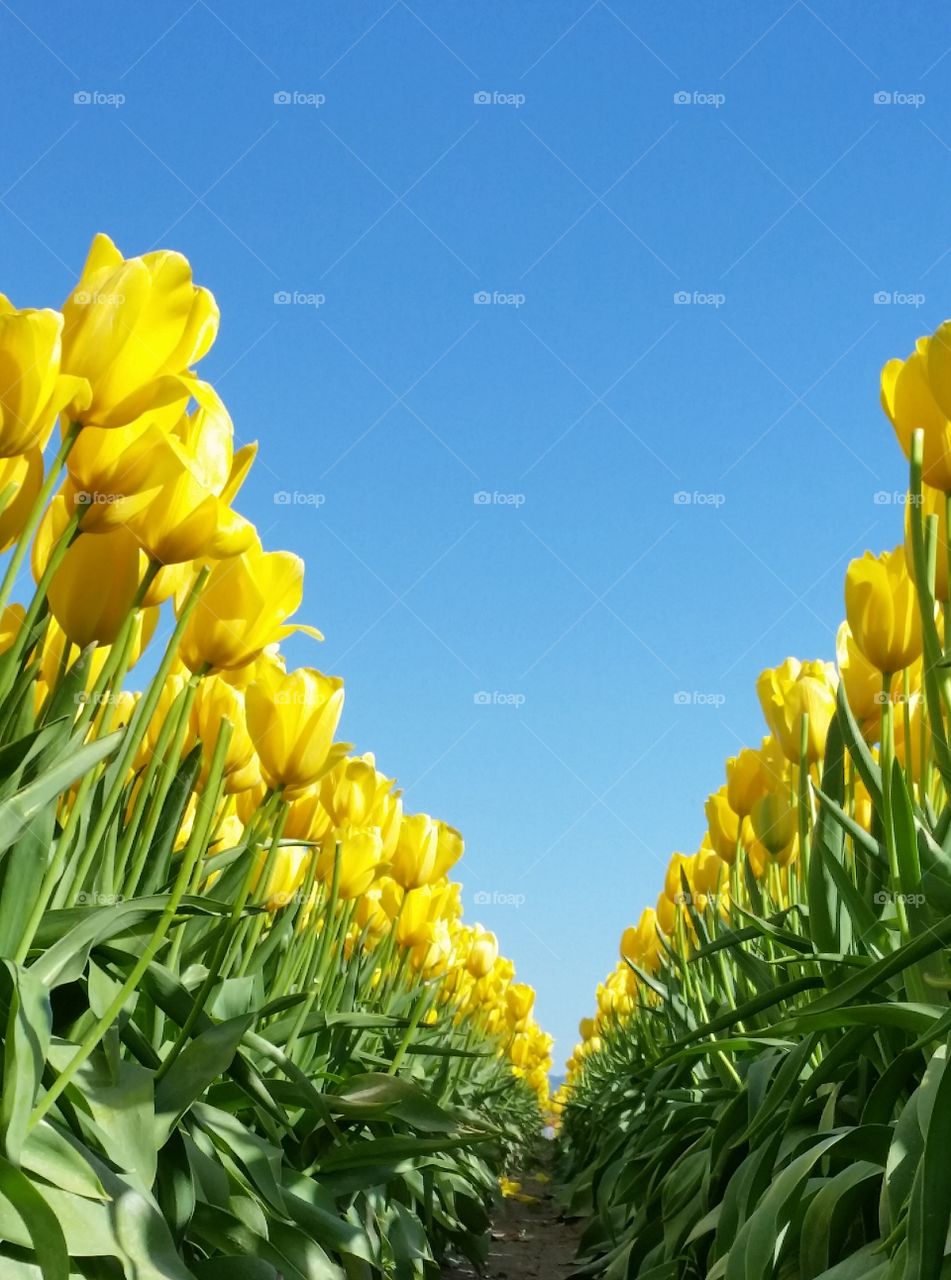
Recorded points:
(528,1240)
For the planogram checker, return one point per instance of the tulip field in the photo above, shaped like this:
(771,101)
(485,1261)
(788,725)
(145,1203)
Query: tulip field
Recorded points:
(245,1030)
(246,1033)
(764,1089)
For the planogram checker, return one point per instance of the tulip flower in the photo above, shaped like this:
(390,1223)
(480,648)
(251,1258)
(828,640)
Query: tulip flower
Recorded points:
(482,954)
(93,589)
(359,850)
(243,608)
(774,821)
(21,477)
(881,606)
(215,700)
(425,850)
(33,391)
(909,397)
(862,681)
(132,330)
(292,720)
(788,692)
(723,825)
(287,875)
(745,781)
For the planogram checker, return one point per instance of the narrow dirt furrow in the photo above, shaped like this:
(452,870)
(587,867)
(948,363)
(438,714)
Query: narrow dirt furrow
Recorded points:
(529,1241)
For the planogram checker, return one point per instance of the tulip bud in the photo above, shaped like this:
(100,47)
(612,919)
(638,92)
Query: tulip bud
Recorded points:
(92,590)
(790,691)
(881,605)
(292,720)
(32,389)
(243,608)
(132,329)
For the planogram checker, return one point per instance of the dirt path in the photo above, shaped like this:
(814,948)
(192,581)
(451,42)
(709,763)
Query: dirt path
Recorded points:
(528,1241)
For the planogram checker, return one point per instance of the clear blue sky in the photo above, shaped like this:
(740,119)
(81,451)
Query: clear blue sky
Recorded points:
(581,197)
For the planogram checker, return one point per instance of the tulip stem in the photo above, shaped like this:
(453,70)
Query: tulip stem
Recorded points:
(193,851)
(887,757)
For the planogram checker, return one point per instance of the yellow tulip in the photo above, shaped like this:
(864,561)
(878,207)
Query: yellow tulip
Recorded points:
(908,398)
(292,720)
(286,877)
(482,954)
(774,821)
(355,792)
(882,610)
(862,681)
(425,851)
(243,608)
(678,868)
(93,588)
(359,850)
(519,1000)
(416,922)
(788,692)
(22,477)
(32,389)
(133,328)
(723,825)
(745,781)
(666,914)
(215,700)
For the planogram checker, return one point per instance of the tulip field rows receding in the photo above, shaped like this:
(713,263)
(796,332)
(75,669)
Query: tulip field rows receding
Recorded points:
(245,1032)
(765,1088)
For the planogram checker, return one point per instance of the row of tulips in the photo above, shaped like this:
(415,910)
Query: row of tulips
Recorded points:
(245,1030)
(762,1090)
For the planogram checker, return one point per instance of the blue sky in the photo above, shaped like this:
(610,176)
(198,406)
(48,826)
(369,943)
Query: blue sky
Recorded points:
(577,167)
